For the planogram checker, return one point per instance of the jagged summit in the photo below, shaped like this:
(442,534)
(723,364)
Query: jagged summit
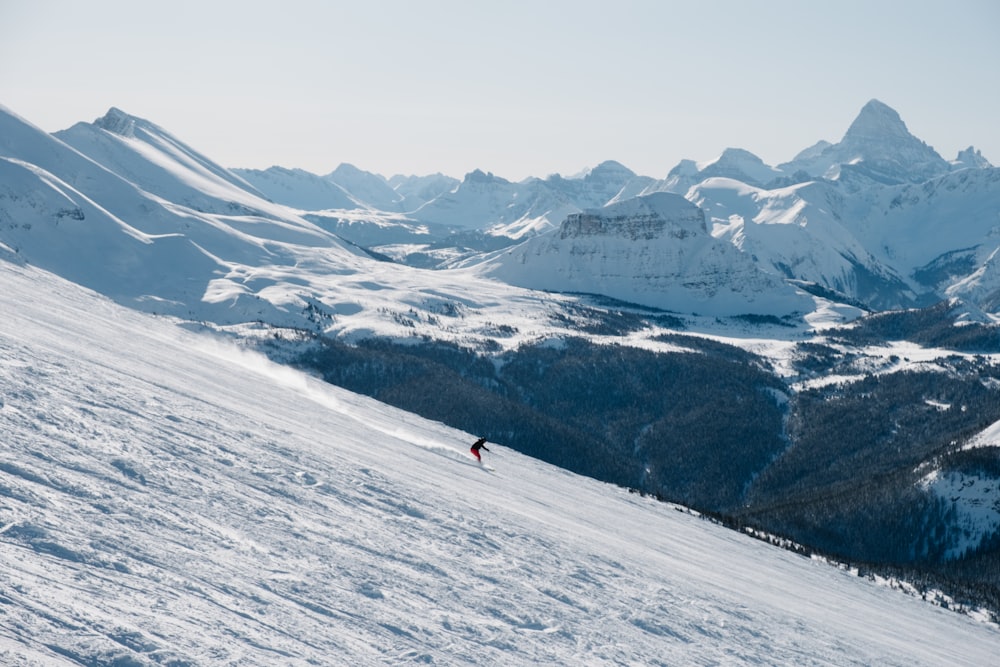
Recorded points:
(731,156)
(480,176)
(875,122)
(972,158)
(685,167)
(178,173)
(124,124)
(877,148)
(117,121)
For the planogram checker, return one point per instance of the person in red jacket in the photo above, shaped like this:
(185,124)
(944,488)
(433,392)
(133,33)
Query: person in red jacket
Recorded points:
(479,444)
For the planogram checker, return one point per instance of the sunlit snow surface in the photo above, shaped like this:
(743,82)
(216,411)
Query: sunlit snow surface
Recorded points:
(168,500)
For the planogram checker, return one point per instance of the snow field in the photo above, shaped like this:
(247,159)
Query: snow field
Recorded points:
(168,500)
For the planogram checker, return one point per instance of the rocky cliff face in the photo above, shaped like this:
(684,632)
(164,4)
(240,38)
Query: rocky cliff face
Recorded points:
(644,219)
(117,121)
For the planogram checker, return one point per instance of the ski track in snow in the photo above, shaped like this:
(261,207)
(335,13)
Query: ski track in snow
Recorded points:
(168,500)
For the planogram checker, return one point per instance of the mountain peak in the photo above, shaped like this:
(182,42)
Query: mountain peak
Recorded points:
(877,148)
(877,119)
(611,168)
(479,176)
(365,187)
(734,160)
(971,157)
(117,121)
(348,170)
(735,163)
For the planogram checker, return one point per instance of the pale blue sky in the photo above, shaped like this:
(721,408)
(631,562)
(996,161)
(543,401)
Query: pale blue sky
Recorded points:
(515,87)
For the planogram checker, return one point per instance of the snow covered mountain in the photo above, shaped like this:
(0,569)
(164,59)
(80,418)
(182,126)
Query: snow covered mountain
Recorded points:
(147,156)
(418,190)
(847,233)
(877,145)
(799,232)
(734,163)
(346,188)
(372,189)
(604,184)
(970,158)
(166,499)
(498,206)
(518,210)
(159,227)
(879,218)
(654,250)
(481,201)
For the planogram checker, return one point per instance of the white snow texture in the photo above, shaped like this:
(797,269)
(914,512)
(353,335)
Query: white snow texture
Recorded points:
(166,499)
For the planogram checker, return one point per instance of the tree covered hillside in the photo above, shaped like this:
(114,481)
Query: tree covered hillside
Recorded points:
(836,466)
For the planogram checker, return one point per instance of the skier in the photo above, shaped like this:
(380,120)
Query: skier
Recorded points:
(479,444)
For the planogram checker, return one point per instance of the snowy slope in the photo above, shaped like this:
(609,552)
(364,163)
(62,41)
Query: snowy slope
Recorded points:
(145,155)
(299,189)
(145,250)
(55,226)
(917,224)
(371,189)
(166,499)
(797,231)
(975,501)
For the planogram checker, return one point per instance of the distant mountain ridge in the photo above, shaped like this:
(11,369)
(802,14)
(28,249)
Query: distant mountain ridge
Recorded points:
(825,234)
(832,217)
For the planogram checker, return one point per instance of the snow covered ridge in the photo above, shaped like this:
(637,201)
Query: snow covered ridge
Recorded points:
(167,499)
